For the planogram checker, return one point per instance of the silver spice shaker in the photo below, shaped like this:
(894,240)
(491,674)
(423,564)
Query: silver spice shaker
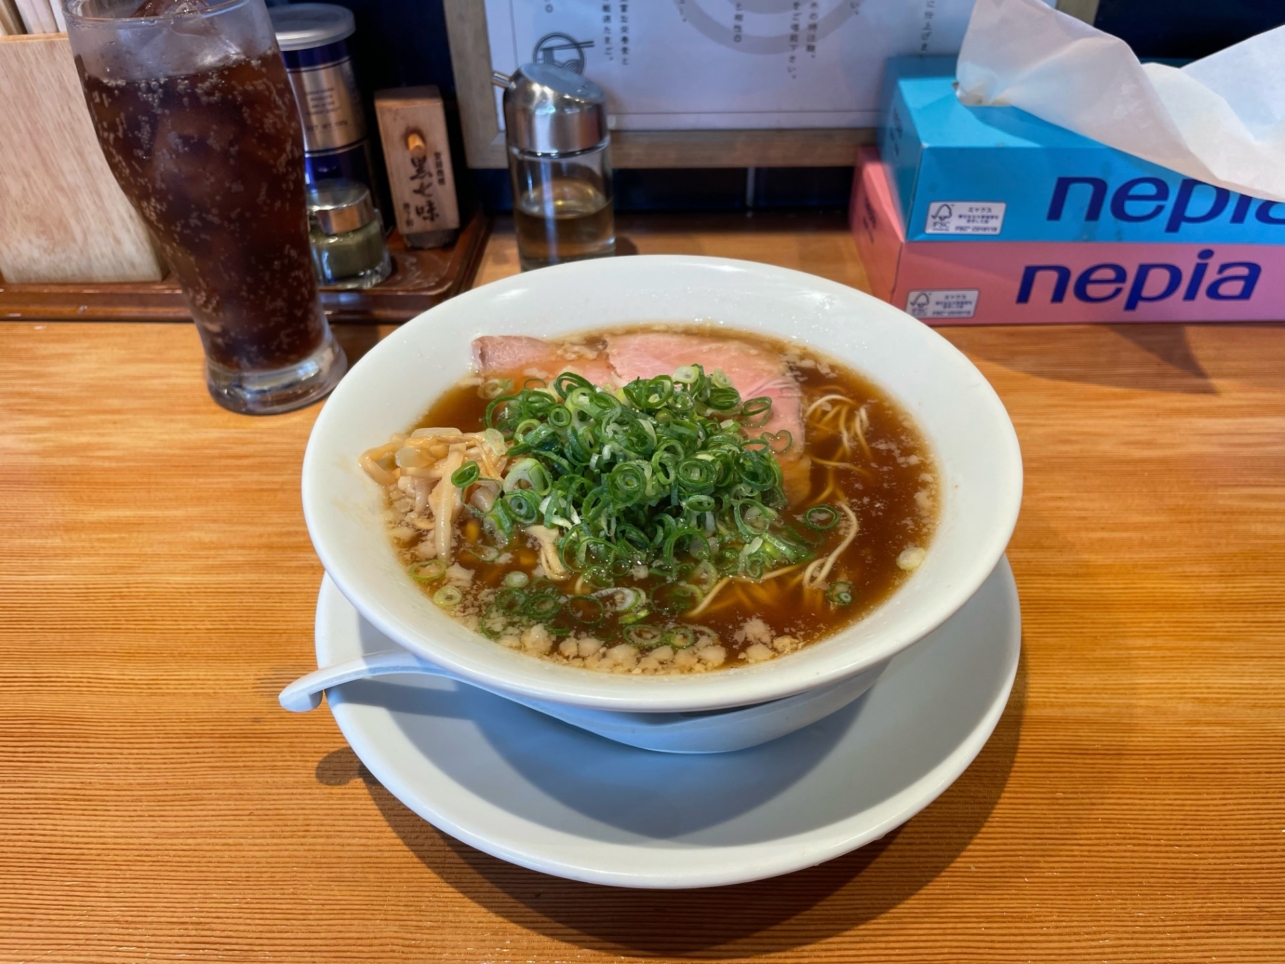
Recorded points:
(560,165)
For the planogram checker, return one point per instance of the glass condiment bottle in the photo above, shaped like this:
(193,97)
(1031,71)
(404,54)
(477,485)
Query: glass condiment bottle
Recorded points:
(560,165)
(347,236)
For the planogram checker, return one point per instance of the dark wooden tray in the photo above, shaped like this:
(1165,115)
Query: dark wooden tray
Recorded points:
(420,280)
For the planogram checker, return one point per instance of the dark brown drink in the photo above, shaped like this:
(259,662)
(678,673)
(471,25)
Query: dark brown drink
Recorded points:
(213,161)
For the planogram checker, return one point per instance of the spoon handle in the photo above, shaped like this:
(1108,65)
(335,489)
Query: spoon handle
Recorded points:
(305,693)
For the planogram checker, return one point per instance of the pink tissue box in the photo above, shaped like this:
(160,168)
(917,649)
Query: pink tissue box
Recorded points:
(1032,282)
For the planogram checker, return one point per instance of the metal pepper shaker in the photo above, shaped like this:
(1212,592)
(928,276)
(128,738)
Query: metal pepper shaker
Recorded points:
(560,165)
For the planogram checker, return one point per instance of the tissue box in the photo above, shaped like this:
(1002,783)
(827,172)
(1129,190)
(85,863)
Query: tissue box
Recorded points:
(1004,282)
(1001,174)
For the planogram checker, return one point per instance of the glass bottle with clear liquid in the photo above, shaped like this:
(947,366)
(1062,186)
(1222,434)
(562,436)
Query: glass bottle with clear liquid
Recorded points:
(559,165)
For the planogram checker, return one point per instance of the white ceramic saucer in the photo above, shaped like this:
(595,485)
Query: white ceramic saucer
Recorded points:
(536,792)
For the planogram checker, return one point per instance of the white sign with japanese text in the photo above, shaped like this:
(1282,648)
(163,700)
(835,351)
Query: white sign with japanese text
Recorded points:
(727,64)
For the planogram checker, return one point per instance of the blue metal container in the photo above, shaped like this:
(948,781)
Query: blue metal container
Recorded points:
(312,38)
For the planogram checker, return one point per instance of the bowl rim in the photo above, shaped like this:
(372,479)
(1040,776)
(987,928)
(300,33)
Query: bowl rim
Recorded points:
(727,687)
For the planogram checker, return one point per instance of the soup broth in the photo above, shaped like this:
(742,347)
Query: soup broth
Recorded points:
(861,456)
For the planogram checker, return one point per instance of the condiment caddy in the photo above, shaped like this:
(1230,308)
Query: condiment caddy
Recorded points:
(420,280)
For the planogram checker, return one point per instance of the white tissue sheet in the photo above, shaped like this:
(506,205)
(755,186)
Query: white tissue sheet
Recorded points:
(1220,119)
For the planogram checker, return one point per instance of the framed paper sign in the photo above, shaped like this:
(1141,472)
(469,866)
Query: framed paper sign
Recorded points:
(703,83)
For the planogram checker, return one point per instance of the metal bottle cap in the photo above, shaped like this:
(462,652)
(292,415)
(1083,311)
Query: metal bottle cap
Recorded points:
(302,26)
(338,207)
(552,110)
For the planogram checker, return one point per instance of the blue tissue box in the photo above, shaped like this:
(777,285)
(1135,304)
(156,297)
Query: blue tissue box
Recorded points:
(1001,174)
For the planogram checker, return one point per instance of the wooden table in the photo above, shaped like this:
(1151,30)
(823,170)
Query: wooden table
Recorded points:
(158,590)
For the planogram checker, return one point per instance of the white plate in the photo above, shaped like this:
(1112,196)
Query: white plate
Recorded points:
(536,792)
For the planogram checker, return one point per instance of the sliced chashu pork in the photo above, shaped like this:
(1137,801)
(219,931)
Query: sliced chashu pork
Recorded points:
(518,357)
(752,370)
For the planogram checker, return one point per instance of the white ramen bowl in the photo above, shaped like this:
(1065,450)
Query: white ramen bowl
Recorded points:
(959,414)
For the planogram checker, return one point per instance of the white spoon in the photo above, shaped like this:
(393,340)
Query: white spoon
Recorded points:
(717,731)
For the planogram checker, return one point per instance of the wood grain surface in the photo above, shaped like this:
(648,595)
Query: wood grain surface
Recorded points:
(62,216)
(159,586)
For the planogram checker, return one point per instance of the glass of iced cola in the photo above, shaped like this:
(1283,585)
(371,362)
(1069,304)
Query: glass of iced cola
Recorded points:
(196,117)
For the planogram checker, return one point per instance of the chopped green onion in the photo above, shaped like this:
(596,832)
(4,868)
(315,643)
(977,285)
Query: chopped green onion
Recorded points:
(676,597)
(448,597)
(500,521)
(466,474)
(821,517)
(509,601)
(723,398)
(839,593)
(628,483)
(523,505)
(780,441)
(429,571)
(644,637)
(495,442)
(659,475)
(492,625)
(567,381)
(680,637)
(624,599)
(687,374)
(756,406)
(542,605)
(753,518)
(516,579)
(697,476)
(704,576)
(484,553)
(784,546)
